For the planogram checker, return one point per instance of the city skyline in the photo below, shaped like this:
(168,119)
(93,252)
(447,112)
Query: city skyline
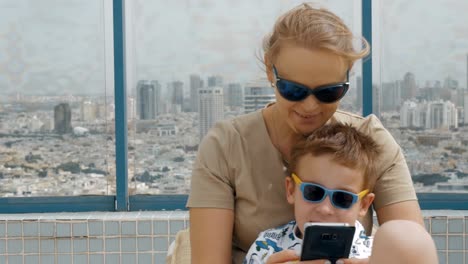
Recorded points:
(39,146)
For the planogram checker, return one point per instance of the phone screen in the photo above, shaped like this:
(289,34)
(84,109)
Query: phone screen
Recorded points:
(330,241)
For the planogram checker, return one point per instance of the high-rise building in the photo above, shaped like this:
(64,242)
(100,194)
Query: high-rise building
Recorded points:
(195,83)
(210,108)
(62,118)
(408,86)
(442,115)
(233,97)
(215,80)
(436,114)
(158,97)
(391,91)
(460,115)
(176,90)
(407,113)
(430,115)
(465,109)
(148,99)
(376,100)
(257,94)
(466,75)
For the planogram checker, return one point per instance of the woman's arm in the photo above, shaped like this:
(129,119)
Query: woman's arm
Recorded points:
(408,210)
(395,197)
(211,235)
(403,242)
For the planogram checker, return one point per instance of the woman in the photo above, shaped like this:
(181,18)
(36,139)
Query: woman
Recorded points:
(238,177)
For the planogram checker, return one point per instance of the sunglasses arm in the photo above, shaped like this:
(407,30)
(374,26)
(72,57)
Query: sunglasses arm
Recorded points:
(363,193)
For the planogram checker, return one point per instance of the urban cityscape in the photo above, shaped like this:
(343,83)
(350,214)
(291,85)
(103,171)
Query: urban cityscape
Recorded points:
(65,145)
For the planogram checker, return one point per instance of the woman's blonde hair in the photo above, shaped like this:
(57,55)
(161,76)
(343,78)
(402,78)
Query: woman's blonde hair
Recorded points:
(311,27)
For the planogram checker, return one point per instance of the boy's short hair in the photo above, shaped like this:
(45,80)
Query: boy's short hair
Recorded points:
(348,147)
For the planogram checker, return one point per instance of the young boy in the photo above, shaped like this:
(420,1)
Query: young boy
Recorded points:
(335,158)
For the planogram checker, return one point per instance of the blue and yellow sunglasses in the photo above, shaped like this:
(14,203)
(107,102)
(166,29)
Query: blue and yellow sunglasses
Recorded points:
(316,193)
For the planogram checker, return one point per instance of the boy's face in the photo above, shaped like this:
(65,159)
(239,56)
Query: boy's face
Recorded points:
(324,171)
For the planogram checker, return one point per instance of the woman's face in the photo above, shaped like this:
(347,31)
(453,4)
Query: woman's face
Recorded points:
(312,68)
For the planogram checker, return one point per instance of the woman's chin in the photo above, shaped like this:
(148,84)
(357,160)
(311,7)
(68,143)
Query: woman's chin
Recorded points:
(306,127)
(305,130)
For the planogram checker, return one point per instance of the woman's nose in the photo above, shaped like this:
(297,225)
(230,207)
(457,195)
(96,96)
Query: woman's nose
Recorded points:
(310,103)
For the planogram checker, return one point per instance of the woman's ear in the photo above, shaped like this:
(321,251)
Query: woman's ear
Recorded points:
(366,202)
(290,187)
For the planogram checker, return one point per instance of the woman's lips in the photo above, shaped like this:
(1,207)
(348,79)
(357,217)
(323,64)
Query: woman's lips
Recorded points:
(307,117)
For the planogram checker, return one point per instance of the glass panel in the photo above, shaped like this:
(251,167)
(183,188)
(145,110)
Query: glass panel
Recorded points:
(191,63)
(56,104)
(420,92)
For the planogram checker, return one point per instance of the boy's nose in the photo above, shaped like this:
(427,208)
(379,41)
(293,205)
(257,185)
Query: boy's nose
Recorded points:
(325,207)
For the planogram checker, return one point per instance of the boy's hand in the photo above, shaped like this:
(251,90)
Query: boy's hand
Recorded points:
(290,256)
(283,256)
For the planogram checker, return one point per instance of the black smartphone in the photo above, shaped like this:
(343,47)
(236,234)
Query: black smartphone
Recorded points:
(330,241)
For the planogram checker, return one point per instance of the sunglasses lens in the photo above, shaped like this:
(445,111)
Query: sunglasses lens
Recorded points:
(291,91)
(331,94)
(313,193)
(343,199)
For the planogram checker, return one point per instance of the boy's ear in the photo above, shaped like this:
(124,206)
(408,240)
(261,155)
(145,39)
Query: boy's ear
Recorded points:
(290,187)
(366,202)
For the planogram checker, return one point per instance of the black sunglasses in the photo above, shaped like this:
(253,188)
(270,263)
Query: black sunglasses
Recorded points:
(293,91)
(317,193)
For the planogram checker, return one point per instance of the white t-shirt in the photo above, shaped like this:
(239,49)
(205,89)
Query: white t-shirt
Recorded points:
(284,237)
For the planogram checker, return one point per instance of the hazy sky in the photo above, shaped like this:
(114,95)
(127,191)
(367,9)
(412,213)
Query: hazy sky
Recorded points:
(57,46)
(426,37)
